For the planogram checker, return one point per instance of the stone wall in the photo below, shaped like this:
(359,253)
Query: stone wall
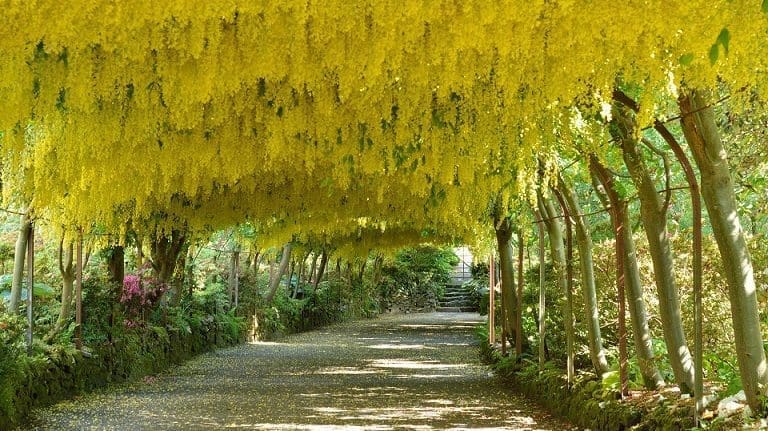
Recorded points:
(64,374)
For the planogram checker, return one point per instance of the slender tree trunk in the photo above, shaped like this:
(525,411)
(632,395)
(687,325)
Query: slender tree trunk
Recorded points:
(693,184)
(362,270)
(321,269)
(555,233)
(274,282)
(638,315)
(66,267)
(588,285)
(302,268)
(653,216)
(139,251)
(312,268)
(377,269)
(79,291)
(234,262)
(703,138)
(30,286)
(20,255)
(292,270)
(542,288)
(507,270)
(189,267)
(519,296)
(568,282)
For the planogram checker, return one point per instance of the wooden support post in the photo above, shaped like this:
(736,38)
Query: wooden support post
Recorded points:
(79,292)
(30,284)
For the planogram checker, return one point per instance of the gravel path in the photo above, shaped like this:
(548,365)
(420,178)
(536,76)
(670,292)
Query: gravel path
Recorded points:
(415,372)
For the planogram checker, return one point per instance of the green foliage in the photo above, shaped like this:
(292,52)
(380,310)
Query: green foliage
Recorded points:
(417,275)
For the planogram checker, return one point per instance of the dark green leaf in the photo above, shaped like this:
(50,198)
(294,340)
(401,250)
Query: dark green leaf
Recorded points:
(724,38)
(687,59)
(713,53)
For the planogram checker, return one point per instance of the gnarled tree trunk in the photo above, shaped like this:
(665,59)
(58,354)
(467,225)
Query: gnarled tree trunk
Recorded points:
(67,269)
(165,256)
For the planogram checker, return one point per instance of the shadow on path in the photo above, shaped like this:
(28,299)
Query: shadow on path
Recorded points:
(415,372)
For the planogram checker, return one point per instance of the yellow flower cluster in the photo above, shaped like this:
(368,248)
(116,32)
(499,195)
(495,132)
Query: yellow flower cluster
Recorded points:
(412,114)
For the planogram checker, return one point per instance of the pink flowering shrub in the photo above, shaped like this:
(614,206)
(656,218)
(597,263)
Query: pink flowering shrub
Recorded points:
(141,293)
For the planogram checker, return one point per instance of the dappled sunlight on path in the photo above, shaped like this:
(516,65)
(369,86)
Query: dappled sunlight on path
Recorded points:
(415,372)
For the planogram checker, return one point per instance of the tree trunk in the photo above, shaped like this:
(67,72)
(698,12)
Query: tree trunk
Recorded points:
(321,269)
(568,282)
(653,216)
(313,268)
(139,251)
(20,255)
(542,287)
(234,263)
(703,138)
(507,270)
(693,184)
(556,243)
(519,296)
(116,264)
(634,291)
(30,286)
(165,254)
(66,267)
(290,279)
(588,286)
(274,282)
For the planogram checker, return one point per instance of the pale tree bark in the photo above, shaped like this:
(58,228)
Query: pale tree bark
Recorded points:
(693,185)
(19,257)
(542,287)
(638,315)
(557,247)
(67,269)
(321,269)
(653,214)
(700,129)
(274,282)
(519,296)
(234,274)
(588,285)
(312,268)
(507,269)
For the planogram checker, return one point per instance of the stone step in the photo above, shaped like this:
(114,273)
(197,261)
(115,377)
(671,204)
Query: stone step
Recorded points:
(456,309)
(455,304)
(456,295)
(455,291)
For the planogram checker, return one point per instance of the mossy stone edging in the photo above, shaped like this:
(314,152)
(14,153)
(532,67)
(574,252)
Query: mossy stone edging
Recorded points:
(66,373)
(583,404)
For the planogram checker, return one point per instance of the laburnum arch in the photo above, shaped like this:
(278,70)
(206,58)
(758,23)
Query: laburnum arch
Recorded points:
(336,116)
